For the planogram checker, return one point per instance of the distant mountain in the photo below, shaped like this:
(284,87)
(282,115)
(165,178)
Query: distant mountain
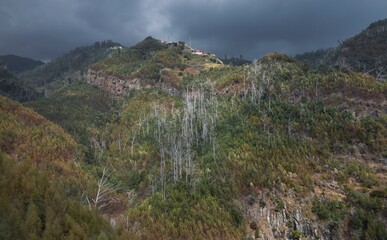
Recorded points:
(235,61)
(12,87)
(17,64)
(69,67)
(318,57)
(365,52)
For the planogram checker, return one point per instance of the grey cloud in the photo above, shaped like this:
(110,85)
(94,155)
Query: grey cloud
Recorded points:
(253,28)
(45,29)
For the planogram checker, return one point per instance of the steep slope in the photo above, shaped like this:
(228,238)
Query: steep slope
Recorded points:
(80,109)
(364,52)
(272,149)
(17,64)
(149,63)
(40,182)
(69,67)
(18,142)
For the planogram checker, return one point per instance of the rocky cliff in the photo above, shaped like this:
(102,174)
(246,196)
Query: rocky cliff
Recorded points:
(285,216)
(113,85)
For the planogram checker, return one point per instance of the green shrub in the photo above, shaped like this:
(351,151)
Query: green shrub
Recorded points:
(328,210)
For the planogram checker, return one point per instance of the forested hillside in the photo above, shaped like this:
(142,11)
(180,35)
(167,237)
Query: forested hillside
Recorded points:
(81,109)
(271,149)
(41,183)
(365,52)
(238,145)
(167,142)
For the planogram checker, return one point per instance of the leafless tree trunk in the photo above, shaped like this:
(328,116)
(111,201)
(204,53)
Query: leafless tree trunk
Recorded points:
(380,73)
(105,190)
(178,133)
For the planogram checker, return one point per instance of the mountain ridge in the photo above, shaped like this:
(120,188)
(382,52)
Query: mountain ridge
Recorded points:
(17,64)
(71,66)
(363,52)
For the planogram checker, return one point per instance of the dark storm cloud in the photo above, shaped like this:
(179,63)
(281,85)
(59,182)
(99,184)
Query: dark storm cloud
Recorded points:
(45,29)
(255,27)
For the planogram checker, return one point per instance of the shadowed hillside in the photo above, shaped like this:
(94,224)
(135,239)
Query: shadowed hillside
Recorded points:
(364,52)
(12,87)
(81,109)
(40,182)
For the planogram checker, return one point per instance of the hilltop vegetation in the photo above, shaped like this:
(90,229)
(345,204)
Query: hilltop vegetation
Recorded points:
(364,52)
(149,63)
(131,61)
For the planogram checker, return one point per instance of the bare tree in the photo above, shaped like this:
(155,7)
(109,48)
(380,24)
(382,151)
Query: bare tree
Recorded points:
(181,131)
(380,73)
(104,195)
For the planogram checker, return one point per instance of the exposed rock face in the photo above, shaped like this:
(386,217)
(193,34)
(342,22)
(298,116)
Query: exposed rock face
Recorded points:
(118,87)
(286,223)
(113,85)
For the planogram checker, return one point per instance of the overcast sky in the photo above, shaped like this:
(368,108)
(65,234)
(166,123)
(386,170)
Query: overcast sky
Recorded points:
(45,29)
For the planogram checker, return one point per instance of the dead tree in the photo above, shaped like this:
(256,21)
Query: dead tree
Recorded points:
(104,195)
(181,131)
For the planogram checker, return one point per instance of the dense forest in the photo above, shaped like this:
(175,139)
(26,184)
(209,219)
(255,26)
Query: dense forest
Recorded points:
(157,142)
